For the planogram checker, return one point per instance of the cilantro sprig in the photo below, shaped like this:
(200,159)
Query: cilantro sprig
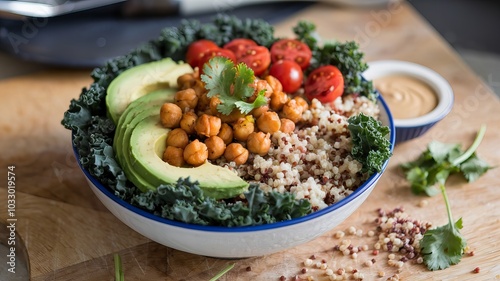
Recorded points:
(444,246)
(441,160)
(232,85)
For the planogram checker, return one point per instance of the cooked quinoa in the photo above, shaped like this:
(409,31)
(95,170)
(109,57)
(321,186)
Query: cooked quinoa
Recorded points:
(314,162)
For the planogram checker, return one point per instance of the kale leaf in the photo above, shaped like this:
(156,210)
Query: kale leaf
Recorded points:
(370,145)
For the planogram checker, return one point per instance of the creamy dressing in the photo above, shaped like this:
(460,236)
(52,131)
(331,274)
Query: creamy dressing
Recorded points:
(407,97)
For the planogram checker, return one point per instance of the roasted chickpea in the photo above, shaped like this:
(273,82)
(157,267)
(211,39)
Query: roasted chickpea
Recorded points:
(203,103)
(274,83)
(257,112)
(207,125)
(214,102)
(199,87)
(269,122)
(287,125)
(186,99)
(243,128)
(188,121)
(174,156)
(232,117)
(195,153)
(170,115)
(259,85)
(302,102)
(259,143)
(177,138)
(278,100)
(215,146)
(235,152)
(226,133)
(186,81)
(292,111)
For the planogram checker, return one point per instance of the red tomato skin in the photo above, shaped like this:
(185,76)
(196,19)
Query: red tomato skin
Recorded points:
(239,45)
(289,73)
(257,58)
(325,83)
(291,49)
(196,50)
(215,53)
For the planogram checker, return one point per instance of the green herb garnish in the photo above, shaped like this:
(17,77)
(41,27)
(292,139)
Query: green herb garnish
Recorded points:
(441,160)
(370,145)
(231,84)
(444,246)
(119,275)
(224,271)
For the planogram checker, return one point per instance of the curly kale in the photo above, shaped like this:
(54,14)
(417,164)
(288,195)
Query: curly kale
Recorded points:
(370,144)
(185,201)
(345,56)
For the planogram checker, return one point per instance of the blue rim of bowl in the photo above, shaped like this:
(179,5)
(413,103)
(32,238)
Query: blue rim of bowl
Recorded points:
(222,229)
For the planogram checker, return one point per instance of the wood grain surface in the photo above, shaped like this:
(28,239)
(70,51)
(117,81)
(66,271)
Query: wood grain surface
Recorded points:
(71,236)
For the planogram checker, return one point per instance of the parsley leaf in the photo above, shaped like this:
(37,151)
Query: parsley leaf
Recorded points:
(232,84)
(370,145)
(423,173)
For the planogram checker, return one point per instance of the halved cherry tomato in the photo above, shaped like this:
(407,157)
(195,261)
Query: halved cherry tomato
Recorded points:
(325,83)
(289,73)
(207,55)
(291,49)
(239,45)
(196,50)
(257,58)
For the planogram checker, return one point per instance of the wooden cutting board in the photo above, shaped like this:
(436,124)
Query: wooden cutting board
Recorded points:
(71,236)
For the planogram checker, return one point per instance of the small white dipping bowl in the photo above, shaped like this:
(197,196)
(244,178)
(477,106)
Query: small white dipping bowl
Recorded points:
(410,128)
(238,242)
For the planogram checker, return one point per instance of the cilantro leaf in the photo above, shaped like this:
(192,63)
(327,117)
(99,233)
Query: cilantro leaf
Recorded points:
(441,160)
(232,85)
(443,246)
(370,145)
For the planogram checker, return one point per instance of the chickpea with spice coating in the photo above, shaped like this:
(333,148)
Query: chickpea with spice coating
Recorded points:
(170,115)
(215,146)
(257,112)
(226,133)
(188,121)
(302,102)
(278,100)
(186,81)
(243,128)
(292,111)
(174,156)
(259,143)
(207,125)
(287,125)
(177,138)
(195,153)
(186,99)
(235,152)
(274,83)
(269,122)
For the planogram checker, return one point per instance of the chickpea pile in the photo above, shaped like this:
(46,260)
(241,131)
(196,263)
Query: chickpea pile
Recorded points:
(200,133)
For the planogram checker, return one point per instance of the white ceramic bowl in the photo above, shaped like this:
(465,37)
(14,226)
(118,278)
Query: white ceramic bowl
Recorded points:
(410,128)
(238,242)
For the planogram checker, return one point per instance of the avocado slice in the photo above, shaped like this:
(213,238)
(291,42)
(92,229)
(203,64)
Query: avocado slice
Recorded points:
(141,80)
(148,105)
(147,144)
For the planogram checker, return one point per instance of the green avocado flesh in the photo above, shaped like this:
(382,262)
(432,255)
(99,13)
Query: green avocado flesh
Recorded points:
(141,80)
(147,144)
(140,139)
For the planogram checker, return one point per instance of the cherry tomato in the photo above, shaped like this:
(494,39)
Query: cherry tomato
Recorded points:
(239,45)
(289,73)
(207,55)
(291,49)
(325,83)
(196,50)
(257,58)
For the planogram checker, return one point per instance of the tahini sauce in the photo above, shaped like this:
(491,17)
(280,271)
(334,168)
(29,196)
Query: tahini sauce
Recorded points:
(407,97)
